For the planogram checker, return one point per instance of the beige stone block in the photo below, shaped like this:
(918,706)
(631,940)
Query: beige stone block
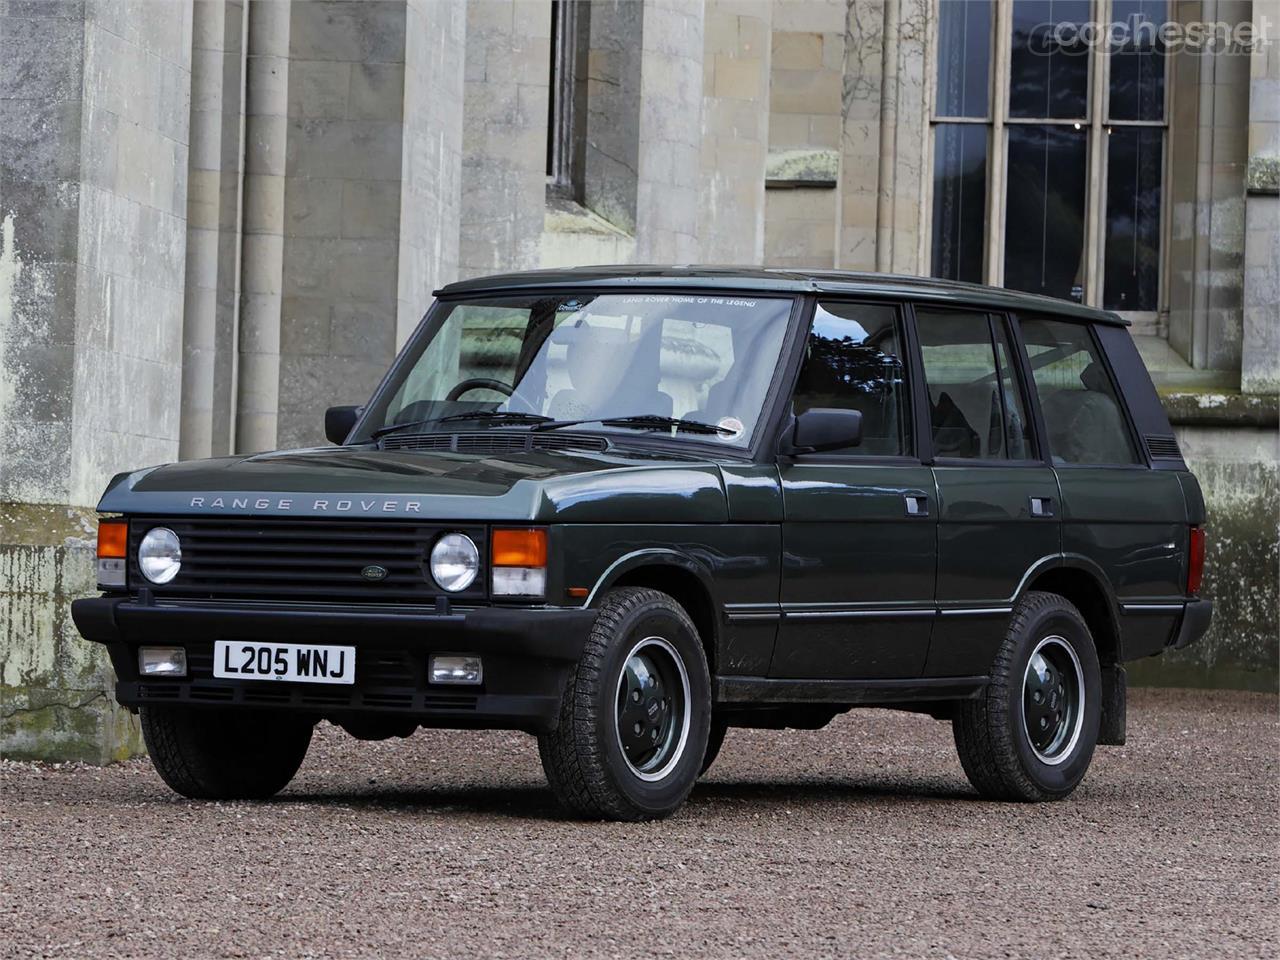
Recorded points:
(797,51)
(313,208)
(818,16)
(371,208)
(377,91)
(824,132)
(318,89)
(737,79)
(805,91)
(788,130)
(720,32)
(754,36)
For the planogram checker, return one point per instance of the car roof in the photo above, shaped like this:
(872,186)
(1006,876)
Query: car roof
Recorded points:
(778,280)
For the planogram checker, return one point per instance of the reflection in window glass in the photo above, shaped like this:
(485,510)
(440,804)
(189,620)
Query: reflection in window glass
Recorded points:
(1137,63)
(1077,399)
(1049,63)
(959,201)
(853,361)
(1044,225)
(1134,162)
(974,406)
(964,57)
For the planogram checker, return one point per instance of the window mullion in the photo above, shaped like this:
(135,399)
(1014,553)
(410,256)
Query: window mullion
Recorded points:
(996,187)
(1096,196)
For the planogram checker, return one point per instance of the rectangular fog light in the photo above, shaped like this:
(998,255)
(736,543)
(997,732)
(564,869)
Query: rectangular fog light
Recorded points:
(456,669)
(162,661)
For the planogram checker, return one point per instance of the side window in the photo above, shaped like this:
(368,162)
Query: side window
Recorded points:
(975,408)
(853,361)
(1081,413)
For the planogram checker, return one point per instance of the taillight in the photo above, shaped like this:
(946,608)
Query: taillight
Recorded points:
(1195,561)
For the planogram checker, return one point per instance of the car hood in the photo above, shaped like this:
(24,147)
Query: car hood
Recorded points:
(354,482)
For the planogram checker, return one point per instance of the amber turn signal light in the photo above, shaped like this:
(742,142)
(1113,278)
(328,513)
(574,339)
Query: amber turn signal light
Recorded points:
(520,548)
(113,539)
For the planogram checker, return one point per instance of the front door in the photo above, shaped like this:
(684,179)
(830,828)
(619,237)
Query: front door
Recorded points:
(999,511)
(859,537)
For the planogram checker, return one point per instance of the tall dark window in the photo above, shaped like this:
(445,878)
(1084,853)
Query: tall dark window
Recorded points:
(1048,62)
(959,200)
(1044,229)
(566,119)
(961,139)
(1049,148)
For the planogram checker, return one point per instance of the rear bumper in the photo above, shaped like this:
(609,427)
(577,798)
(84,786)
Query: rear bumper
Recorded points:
(1195,623)
(527,653)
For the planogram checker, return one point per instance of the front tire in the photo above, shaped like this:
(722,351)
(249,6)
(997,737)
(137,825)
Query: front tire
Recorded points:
(635,714)
(224,755)
(1032,733)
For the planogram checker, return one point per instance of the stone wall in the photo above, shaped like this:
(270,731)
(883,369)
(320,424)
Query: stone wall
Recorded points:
(1231,443)
(93,204)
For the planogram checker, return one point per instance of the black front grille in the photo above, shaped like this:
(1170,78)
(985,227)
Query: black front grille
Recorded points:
(317,560)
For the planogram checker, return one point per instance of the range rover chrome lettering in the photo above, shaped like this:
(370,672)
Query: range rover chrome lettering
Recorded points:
(628,509)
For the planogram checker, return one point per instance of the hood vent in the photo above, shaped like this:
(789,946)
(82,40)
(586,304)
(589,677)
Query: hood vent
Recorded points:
(491,442)
(1162,446)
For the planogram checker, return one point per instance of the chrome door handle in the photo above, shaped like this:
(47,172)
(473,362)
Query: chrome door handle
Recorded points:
(916,506)
(1042,506)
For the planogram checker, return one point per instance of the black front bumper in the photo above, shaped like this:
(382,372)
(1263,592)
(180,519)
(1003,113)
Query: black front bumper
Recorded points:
(527,653)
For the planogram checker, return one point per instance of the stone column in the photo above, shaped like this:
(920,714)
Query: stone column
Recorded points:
(1260,353)
(670,163)
(431,158)
(1208,154)
(504,139)
(860,147)
(213,228)
(735,130)
(262,254)
(342,175)
(93,167)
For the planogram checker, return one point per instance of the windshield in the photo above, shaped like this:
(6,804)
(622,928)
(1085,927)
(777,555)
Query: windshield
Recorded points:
(586,357)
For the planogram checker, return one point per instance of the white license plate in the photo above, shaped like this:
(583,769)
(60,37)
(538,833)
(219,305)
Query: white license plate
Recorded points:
(303,662)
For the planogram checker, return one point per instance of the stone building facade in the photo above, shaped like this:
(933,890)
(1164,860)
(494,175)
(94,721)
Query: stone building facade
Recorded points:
(217,217)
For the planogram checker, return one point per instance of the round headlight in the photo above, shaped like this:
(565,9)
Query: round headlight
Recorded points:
(160,555)
(455,561)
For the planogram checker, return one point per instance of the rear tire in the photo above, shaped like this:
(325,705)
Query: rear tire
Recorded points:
(635,713)
(1032,733)
(224,755)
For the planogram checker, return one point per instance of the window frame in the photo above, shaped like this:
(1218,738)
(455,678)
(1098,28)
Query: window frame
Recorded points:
(907,344)
(1141,459)
(1097,121)
(1020,370)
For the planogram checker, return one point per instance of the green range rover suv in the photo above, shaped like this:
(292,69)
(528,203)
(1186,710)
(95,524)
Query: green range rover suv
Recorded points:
(626,509)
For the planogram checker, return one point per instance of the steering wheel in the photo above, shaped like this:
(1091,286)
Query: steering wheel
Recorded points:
(479,383)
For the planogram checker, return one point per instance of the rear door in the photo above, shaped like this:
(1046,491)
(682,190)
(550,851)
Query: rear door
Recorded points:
(1118,514)
(859,536)
(998,514)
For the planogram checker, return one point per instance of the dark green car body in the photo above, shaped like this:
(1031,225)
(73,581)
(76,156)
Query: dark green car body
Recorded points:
(817,581)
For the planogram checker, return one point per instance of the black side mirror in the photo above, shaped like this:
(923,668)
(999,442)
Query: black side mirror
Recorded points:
(822,429)
(338,422)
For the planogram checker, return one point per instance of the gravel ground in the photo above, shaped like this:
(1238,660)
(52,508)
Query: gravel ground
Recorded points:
(860,840)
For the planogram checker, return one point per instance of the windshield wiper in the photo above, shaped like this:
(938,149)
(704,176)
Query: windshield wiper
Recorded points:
(643,421)
(490,416)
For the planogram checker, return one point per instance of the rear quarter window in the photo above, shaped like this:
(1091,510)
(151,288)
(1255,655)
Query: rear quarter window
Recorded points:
(1082,414)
